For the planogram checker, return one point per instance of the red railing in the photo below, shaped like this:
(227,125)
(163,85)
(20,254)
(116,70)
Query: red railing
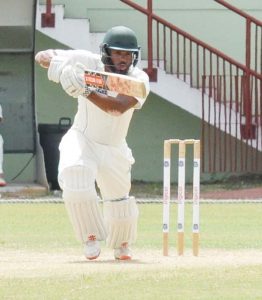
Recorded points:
(247,99)
(48,18)
(231,93)
(253,37)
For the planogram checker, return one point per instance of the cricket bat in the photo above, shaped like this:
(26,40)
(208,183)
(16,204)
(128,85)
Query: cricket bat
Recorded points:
(122,84)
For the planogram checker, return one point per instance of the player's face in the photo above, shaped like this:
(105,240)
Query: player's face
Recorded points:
(122,60)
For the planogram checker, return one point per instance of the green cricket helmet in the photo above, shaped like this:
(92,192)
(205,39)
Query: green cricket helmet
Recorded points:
(119,38)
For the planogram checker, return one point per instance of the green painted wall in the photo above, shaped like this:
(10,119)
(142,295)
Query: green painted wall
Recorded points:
(52,102)
(19,167)
(159,120)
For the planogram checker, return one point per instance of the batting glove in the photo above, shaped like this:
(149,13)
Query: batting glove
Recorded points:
(72,80)
(44,57)
(55,68)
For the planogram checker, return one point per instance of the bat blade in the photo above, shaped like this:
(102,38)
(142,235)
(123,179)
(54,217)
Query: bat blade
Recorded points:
(119,83)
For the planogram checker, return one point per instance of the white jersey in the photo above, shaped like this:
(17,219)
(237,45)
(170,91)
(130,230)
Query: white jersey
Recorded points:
(92,121)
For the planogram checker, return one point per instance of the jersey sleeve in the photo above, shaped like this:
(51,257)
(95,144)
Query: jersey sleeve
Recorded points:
(89,59)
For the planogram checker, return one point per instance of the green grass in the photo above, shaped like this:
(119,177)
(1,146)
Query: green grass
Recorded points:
(223,226)
(217,283)
(45,228)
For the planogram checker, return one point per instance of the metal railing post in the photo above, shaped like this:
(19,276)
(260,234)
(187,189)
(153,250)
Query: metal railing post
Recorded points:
(248,129)
(152,72)
(47,18)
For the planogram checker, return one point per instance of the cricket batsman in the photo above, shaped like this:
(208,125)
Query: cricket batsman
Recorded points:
(94,151)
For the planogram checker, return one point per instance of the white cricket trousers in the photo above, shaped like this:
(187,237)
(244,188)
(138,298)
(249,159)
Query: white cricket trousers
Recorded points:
(109,166)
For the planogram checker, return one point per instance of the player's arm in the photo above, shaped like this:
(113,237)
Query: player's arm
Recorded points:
(112,105)
(45,57)
(54,61)
(72,81)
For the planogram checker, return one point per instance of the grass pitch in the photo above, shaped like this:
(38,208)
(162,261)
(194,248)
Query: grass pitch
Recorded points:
(40,258)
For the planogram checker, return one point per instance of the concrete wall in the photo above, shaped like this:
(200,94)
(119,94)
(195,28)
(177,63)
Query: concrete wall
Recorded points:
(16,22)
(21,12)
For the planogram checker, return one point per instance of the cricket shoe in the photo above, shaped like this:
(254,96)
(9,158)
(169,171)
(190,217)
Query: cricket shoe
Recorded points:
(2,182)
(92,248)
(123,253)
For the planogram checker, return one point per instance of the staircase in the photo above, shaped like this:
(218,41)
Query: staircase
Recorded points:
(64,30)
(225,94)
(231,91)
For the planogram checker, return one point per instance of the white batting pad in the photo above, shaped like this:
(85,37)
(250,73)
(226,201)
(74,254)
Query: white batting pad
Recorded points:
(85,215)
(121,221)
(82,204)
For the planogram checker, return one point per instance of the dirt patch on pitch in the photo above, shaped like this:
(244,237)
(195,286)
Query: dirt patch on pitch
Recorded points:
(28,264)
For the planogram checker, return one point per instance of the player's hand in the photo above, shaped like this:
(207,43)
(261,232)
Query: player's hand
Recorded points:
(43,58)
(72,80)
(90,89)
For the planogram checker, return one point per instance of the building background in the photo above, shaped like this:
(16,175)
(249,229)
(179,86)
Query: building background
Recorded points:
(33,100)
